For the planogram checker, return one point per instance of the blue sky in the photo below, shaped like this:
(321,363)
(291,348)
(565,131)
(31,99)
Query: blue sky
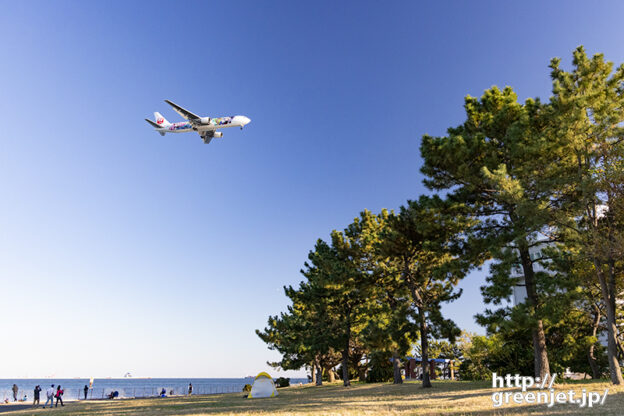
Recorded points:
(121,250)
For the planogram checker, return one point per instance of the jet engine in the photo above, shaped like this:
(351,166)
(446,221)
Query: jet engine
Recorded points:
(218,134)
(204,120)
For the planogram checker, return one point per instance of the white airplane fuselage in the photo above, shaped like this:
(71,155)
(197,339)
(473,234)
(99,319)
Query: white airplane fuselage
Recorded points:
(213,124)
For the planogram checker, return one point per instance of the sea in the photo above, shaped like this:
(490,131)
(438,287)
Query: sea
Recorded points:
(126,387)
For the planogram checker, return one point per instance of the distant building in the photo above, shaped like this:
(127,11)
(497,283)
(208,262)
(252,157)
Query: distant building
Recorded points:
(519,292)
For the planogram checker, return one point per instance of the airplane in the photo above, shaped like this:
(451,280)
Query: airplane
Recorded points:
(206,127)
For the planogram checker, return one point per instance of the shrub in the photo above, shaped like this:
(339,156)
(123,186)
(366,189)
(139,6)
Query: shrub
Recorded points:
(283,382)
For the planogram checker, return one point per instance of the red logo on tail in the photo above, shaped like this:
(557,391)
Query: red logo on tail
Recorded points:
(160,121)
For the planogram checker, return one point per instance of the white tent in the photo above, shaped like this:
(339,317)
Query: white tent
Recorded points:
(263,386)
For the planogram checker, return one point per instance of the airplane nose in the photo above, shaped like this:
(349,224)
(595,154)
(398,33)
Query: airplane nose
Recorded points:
(241,120)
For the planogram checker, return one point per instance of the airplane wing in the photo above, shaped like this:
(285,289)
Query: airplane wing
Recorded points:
(207,136)
(183,112)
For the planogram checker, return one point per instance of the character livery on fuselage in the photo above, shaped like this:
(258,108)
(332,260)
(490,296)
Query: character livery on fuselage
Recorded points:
(206,127)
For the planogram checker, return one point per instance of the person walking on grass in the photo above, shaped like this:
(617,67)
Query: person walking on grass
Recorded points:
(15,390)
(36,395)
(50,395)
(59,396)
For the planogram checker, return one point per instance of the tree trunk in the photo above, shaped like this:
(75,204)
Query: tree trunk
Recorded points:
(590,354)
(345,357)
(592,362)
(540,354)
(362,372)
(345,367)
(313,371)
(396,365)
(331,376)
(319,373)
(619,345)
(451,370)
(612,348)
(424,342)
(424,345)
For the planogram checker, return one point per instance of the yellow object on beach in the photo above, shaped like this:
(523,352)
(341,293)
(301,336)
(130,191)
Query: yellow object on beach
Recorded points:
(263,386)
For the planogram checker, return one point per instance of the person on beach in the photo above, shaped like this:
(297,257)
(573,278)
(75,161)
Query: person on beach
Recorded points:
(190,389)
(86,390)
(163,393)
(50,394)
(15,390)
(59,396)
(36,395)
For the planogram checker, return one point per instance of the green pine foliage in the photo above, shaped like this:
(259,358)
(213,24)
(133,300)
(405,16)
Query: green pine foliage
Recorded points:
(534,191)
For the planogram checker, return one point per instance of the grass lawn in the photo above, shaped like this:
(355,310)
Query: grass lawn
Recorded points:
(446,397)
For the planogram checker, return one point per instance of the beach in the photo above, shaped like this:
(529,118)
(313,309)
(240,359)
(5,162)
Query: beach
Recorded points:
(126,387)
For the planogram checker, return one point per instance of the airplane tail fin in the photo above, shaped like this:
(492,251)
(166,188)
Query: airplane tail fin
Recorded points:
(160,120)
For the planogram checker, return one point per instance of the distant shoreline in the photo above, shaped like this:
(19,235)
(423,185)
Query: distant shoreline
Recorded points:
(129,387)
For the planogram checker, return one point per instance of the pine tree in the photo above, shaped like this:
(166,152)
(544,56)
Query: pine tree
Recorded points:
(587,127)
(493,164)
(390,327)
(420,239)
